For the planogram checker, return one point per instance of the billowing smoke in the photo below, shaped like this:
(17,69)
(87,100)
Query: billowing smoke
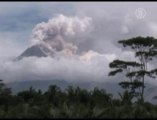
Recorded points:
(57,38)
(60,32)
(61,38)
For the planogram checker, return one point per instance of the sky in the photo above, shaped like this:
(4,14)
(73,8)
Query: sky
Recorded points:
(83,36)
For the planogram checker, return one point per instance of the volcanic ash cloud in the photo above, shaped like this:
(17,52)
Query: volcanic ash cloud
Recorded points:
(59,33)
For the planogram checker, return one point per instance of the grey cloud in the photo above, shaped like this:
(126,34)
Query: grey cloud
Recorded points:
(59,32)
(110,23)
(115,21)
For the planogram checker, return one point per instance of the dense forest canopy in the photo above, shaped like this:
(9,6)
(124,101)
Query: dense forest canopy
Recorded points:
(71,103)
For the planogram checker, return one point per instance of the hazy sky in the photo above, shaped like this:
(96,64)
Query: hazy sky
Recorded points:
(89,30)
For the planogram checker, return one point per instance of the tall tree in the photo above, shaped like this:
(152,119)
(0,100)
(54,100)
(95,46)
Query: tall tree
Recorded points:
(145,48)
(131,84)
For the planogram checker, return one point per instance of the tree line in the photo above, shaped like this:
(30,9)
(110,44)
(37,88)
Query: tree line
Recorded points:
(70,103)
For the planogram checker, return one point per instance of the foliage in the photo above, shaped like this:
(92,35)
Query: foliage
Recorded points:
(145,50)
(72,103)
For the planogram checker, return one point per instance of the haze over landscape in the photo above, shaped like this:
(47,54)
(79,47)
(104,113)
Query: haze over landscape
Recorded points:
(78,60)
(69,41)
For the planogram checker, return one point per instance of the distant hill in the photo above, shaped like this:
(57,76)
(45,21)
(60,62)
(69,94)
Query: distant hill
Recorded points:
(43,85)
(110,87)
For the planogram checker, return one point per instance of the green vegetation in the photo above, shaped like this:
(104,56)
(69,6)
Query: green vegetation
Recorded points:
(97,103)
(70,103)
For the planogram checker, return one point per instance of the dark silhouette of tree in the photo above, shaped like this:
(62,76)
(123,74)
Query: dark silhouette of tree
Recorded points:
(145,48)
(126,67)
(53,94)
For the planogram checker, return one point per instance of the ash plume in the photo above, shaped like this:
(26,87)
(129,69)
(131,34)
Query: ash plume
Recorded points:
(58,34)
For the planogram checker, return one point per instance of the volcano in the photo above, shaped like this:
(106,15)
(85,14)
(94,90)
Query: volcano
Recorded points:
(37,50)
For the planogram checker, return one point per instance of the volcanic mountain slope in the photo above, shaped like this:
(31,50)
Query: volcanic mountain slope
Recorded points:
(37,50)
(33,51)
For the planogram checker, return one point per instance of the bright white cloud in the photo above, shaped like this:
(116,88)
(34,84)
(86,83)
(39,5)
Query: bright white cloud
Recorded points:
(47,68)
